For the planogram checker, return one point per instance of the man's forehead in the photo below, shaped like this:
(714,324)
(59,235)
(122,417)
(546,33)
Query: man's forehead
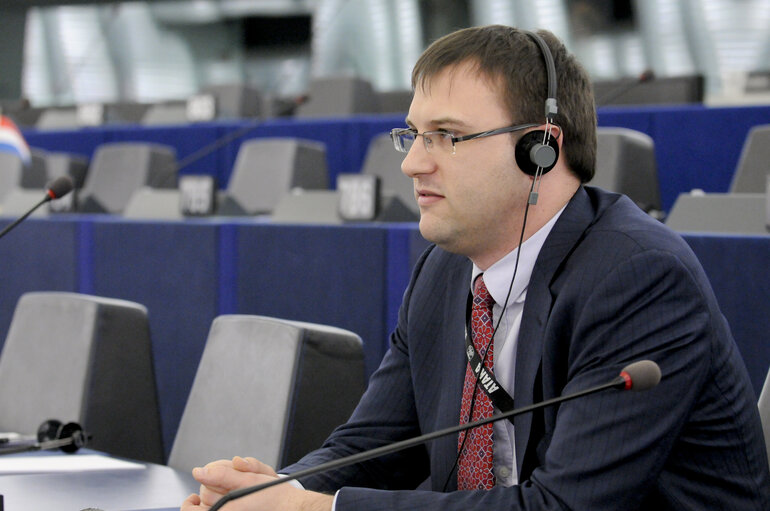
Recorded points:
(462,70)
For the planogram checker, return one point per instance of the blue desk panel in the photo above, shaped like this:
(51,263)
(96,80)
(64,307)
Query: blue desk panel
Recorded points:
(174,270)
(738,269)
(38,255)
(350,276)
(336,275)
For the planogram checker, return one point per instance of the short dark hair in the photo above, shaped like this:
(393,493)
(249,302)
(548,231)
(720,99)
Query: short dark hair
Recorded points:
(511,57)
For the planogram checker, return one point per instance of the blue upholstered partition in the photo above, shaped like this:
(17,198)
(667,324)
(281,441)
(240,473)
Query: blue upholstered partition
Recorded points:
(187,273)
(38,255)
(174,270)
(737,267)
(329,274)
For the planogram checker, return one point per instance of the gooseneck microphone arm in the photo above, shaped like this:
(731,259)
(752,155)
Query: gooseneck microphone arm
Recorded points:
(58,188)
(638,376)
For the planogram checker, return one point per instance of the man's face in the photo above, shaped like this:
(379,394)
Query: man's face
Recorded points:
(471,202)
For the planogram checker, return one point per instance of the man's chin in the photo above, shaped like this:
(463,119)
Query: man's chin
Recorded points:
(436,231)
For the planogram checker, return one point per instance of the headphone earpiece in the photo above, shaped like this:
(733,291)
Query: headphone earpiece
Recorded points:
(49,430)
(532,153)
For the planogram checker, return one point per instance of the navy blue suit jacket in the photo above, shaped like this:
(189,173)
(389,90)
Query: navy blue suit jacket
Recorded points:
(610,286)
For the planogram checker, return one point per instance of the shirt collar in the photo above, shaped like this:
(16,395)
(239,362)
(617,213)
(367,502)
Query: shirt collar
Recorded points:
(498,276)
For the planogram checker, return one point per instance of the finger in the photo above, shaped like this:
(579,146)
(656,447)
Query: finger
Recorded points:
(218,463)
(191,503)
(209,496)
(250,464)
(221,477)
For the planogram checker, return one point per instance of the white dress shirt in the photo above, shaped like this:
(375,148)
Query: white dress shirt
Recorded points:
(498,281)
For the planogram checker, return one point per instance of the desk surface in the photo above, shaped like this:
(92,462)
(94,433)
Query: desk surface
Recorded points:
(153,487)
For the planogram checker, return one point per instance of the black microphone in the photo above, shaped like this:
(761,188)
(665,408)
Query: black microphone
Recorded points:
(623,87)
(638,376)
(60,187)
(68,437)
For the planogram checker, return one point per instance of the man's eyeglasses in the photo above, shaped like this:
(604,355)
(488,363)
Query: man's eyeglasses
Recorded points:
(443,141)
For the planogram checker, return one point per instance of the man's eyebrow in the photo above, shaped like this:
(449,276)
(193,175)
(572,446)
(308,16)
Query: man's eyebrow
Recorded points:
(442,121)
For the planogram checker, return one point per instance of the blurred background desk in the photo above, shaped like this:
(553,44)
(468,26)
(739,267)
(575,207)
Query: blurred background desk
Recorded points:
(696,146)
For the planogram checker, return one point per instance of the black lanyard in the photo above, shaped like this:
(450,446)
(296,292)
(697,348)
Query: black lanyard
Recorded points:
(484,377)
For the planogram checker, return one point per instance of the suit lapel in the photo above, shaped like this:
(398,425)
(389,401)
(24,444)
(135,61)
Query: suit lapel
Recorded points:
(562,239)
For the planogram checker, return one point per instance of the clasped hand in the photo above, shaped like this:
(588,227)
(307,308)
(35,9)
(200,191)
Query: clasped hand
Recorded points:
(223,476)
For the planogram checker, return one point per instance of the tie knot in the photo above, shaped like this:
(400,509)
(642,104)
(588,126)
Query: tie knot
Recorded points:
(481,296)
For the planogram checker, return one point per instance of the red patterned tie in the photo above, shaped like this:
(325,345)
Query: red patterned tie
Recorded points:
(474,471)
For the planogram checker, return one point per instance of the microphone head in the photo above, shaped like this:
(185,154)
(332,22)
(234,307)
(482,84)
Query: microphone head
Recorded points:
(641,375)
(60,187)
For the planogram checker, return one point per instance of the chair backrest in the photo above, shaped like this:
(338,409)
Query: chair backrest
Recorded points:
(35,176)
(338,96)
(86,359)
(235,101)
(58,119)
(395,102)
(11,170)
(119,169)
(271,388)
(66,164)
(384,161)
(174,112)
(737,213)
(754,163)
(764,411)
(625,163)
(266,169)
(650,90)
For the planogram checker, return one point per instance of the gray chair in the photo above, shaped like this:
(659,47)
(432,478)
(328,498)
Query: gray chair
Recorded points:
(11,171)
(86,359)
(235,101)
(754,163)
(764,411)
(119,169)
(384,161)
(268,388)
(649,89)
(395,102)
(45,167)
(266,169)
(58,119)
(160,114)
(338,96)
(625,163)
(67,164)
(736,213)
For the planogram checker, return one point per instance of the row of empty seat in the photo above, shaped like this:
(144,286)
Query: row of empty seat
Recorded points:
(745,208)
(268,387)
(288,179)
(331,96)
(326,97)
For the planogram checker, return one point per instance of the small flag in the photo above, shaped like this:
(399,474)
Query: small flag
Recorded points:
(12,141)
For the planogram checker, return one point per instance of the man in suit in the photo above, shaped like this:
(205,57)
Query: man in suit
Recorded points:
(581,282)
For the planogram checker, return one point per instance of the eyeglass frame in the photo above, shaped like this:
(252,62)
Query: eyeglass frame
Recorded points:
(397,132)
